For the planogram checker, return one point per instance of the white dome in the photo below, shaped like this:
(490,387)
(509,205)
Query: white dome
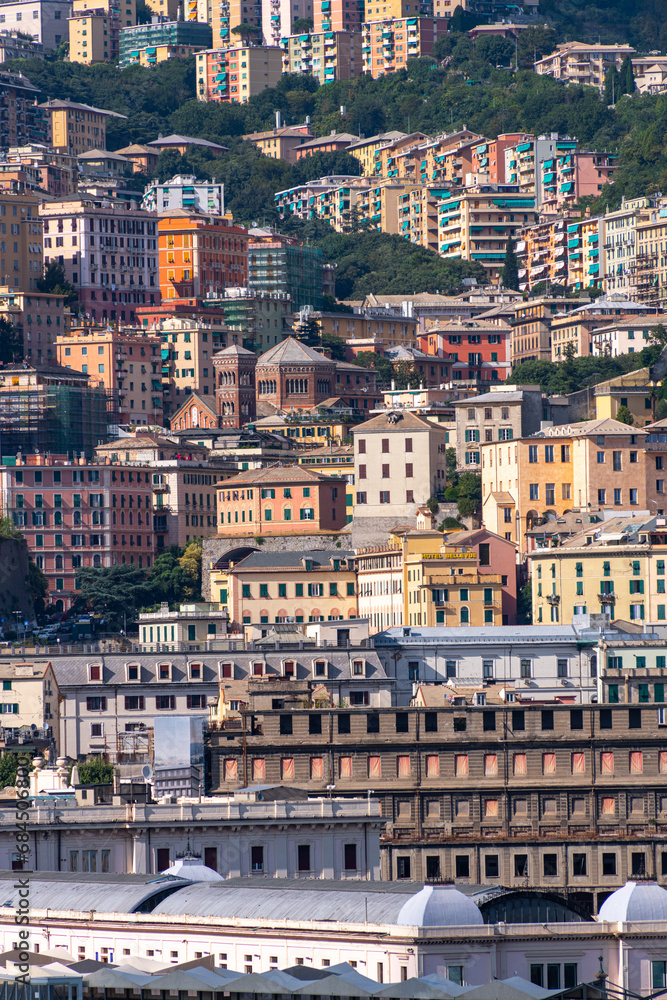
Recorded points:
(439,906)
(635,901)
(193,869)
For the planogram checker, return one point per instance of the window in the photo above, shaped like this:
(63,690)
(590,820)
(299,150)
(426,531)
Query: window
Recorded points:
(550,865)
(491,866)
(402,867)
(547,718)
(579,864)
(608,864)
(257,859)
(303,858)
(315,725)
(638,863)
(134,703)
(462,865)
(350,857)
(285,725)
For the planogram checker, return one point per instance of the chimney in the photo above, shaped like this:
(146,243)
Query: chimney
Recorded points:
(278,119)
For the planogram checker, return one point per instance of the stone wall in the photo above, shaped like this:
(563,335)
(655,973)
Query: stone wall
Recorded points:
(215,548)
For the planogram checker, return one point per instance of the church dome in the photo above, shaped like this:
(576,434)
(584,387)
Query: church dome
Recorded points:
(635,901)
(439,906)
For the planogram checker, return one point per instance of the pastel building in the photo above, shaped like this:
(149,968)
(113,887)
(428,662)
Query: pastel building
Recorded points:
(325,55)
(79,515)
(476,223)
(200,253)
(583,64)
(108,250)
(235,74)
(291,500)
(389,42)
(573,175)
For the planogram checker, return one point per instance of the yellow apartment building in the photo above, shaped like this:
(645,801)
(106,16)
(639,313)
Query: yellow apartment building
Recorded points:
(424,578)
(649,283)
(21,257)
(39,317)
(583,64)
(267,588)
(531,328)
(386,207)
(76,128)
(365,150)
(30,696)
(615,567)
(543,252)
(600,463)
(393,331)
(635,390)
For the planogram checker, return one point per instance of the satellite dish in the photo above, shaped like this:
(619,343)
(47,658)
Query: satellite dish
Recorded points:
(147,773)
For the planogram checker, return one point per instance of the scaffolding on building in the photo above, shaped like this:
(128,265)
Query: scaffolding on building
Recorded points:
(56,419)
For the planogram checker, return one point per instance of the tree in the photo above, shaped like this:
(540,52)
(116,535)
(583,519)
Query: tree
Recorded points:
(627,77)
(38,585)
(612,86)
(95,772)
(55,281)
(113,592)
(624,416)
(168,580)
(9,766)
(524,610)
(382,365)
(144,13)
(658,335)
(509,275)
(11,343)
(302,25)
(451,524)
(335,345)
(190,562)
(469,493)
(251,34)
(331,304)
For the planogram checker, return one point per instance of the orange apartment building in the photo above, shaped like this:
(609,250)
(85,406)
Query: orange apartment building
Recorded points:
(594,463)
(488,160)
(199,254)
(125,362)
(290,500)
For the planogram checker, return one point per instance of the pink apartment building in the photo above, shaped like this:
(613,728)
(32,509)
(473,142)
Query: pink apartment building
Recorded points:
(567,178)
(78,514)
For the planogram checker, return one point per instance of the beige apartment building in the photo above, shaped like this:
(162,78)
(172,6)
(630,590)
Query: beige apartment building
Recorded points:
(30,697)
(76,128)
(586,65)
(188,347)
(399,463)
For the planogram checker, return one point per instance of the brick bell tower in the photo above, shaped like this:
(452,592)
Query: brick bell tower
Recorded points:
(235,385)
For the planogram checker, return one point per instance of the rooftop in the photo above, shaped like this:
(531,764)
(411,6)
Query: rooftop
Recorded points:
(292,351)
(183,140)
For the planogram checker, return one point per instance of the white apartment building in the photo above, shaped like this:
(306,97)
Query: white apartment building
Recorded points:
(29,696)
(45,20)
(625,337)
(108,249)
(184,191)
(399,463)
(541,663)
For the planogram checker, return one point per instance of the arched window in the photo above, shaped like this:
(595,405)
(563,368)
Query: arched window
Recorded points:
(465,616)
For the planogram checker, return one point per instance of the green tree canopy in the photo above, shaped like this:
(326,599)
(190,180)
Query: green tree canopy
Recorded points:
(509,275)
(55,281)
(95,771)
(114,592)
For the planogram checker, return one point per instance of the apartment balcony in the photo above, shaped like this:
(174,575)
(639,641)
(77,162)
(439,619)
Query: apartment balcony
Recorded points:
(553,599)
(607,598)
